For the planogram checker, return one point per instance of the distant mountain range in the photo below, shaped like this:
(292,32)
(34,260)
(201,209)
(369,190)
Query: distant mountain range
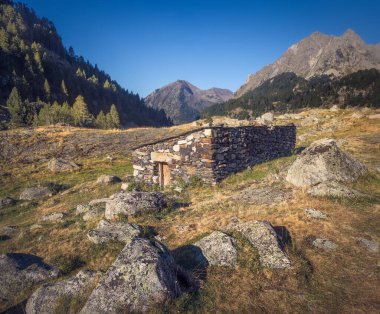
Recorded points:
(34,60)
(319,71)
(183,101)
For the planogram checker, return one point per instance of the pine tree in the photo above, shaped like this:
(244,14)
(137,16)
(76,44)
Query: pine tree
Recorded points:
(107,84)
(114,117)
(17,108)
(55,113)
(64,88)
(47,89)
(81,115)
(44,117)
(66,114)
(101,121)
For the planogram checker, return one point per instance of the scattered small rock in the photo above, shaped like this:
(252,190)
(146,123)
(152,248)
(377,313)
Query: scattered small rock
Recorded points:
(218,249)
(99,201)
(93,214)
(143,274)
(266,195)
(133,203)
(324,244)
(35,193)
(107,231)
(125,186)
(7,201)
(315,213)
(263,237)
(82,209)
(374,116)
(358,115)
(53,217)
(334,108)
(107,179)
(19,272)
(8,230)
(323,161)
(46,299)
(4,174)
(333,189)
(369,245)
(60,165)
(266,118)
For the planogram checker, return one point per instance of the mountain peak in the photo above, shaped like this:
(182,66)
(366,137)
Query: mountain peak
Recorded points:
(320,54)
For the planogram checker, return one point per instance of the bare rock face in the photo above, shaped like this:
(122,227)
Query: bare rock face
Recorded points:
(320,54)
(108,179)
(333,189)
(143,274)
(46,299)
(19,272)
(263,237)
(35,193)
(370,245)
(60,165)
(95,212)
(323,161)
(106,231)
(133,203)
(219,249)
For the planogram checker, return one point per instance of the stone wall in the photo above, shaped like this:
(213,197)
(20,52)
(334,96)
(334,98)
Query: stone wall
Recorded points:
(236,149)
(214,153)
(187,155)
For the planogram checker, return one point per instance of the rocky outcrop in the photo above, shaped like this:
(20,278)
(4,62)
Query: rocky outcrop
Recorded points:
(132,203)
(7,201)
(60,165)
(19,272)
(315,213)
(323,161)
(218,249)
(106,231)
(93,213)
(53,217)
(46,299)
(108,179)
(263,237)
(333,189)
(324,244)
(144,274)
(182,101)
(320,54)
(35,193)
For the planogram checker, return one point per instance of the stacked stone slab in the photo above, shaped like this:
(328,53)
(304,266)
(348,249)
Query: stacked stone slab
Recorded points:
(213,153)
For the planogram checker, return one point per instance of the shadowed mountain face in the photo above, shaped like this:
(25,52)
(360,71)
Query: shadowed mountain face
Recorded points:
(183,101)
(317,55)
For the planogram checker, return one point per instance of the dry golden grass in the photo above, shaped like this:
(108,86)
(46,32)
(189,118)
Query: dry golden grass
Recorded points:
(345,280)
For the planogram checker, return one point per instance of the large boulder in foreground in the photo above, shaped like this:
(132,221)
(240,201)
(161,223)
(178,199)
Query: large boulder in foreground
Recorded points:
(46,299)
(132,203)
(19,272)
(60,165)
(218,249)
(119,231)
(35,193)
(323,161)
(263,237)
(333,189)
(144,274)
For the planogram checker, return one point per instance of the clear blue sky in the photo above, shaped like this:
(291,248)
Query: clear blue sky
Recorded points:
(147,44)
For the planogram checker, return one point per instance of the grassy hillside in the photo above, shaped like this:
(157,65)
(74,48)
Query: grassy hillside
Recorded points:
(345,280)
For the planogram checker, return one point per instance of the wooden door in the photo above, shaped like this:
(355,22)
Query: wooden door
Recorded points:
(164,174)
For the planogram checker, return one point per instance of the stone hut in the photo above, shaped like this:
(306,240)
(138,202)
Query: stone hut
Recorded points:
(211,153)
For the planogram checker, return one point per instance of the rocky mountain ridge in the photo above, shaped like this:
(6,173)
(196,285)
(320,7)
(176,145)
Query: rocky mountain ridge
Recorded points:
(182,101)
(320,54)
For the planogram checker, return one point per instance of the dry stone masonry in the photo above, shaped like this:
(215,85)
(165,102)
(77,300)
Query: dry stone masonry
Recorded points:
(212,153)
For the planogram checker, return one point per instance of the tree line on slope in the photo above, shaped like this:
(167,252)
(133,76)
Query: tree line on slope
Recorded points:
(34,60)
(24,113)
(288,92)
